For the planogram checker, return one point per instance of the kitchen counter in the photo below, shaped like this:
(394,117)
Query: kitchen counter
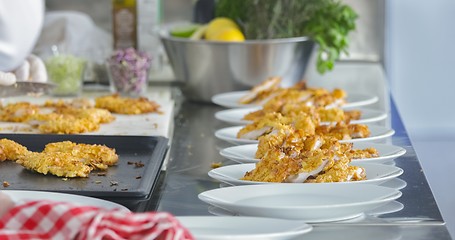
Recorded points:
(194,149)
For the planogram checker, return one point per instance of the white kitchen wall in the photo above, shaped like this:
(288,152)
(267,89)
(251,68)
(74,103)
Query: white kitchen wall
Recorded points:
(420,64)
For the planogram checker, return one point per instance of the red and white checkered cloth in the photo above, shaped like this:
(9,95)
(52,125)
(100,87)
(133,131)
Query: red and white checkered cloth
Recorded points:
(44,219)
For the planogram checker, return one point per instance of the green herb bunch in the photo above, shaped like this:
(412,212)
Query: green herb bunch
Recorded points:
(327,22)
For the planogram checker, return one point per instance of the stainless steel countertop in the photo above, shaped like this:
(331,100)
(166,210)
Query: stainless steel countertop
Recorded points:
(194,148)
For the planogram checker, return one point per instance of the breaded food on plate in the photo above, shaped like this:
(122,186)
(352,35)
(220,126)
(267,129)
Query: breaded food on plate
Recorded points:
(262,91)
(274,121)
(342,131)
(320,165)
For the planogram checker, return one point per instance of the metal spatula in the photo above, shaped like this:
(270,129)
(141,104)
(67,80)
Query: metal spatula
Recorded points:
(22,88)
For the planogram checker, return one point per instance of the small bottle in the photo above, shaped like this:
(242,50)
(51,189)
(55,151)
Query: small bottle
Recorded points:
(124,28)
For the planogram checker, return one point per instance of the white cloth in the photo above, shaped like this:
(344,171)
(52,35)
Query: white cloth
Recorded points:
(20,27)
(74,33)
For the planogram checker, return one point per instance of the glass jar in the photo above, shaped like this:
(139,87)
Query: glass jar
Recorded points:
(66,71)
(128,72)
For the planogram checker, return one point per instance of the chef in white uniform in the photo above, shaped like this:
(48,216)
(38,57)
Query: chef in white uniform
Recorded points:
(20,26)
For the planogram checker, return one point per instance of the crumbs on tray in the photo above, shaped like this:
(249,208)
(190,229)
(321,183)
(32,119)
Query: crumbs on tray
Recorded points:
(216,164)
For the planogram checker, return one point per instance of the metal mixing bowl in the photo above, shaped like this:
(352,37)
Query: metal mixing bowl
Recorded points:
(208,67)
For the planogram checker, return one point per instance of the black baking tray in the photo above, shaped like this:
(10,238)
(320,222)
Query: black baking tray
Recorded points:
(124,182)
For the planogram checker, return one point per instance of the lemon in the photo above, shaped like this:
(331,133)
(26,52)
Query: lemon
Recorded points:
(217,25)
(229,34)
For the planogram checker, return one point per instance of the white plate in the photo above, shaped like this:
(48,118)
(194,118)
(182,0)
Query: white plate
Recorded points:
(231,100)
(235,116)
(223,228)
(308,202)
(19,195)
(246,153)
(229,134)
(395,183)
(223,212)
(376,174)
(391,207)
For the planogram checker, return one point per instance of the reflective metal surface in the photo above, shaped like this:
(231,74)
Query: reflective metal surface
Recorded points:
(194,149)
(23,88)
(208,68)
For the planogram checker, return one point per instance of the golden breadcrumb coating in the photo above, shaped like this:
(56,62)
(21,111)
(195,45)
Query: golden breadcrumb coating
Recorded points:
(289,155)
(124,105)
(272,141)
(56,163)
(61,117)
(273,167)
(342,131)
(321,113)
(96,115)
(293,146)
(286,96)
(97,156)
(341,173)
(352,115)
(362,153)
(318,102)
(255,115)
(18,112)
(69,120)
(10,150)
(303,121)
(301,85)
(82,103)
(261,91)
(271,121)
(262,127)
(317,97)
(339,93)
(67,124)
(63,159)
(311,166)
(331,115)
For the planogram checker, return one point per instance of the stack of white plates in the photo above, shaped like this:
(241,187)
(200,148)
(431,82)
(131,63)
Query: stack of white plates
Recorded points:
(308,202)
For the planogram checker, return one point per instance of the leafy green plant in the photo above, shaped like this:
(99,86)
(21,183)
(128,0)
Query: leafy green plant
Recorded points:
(327,22)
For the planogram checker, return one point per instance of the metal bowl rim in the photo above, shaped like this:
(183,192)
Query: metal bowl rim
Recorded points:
(165,35)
